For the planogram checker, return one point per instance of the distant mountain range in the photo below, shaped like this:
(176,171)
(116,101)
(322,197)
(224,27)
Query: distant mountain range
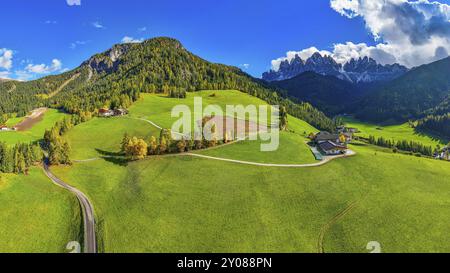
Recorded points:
(362,70)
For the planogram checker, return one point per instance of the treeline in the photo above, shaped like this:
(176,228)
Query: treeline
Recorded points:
(19,158)
(137,148)
(403,145)
(435,124)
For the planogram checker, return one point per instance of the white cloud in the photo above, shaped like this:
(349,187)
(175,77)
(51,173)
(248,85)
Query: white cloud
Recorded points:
(245,66)
(56,65)
(6,56)
(97,25)
(413,32)
(51,22)
(73,2)
(142,29)
(77,43)
(5,74)
(131,40)
(22,75)
(408,32)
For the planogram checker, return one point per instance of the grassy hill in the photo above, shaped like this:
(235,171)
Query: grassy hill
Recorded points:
(37,216)
(394,132)
(186,204)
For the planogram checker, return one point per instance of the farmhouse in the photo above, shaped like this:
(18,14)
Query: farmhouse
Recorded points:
(325,136)
(444,154)
(348,137)
(344,129)
(112,113)
(105,112)
(5,128)
(331,148)
(120,112)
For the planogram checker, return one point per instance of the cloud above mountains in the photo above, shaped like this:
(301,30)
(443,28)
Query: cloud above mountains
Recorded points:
(73,2)
(6,56)
(411,33)
(131,40)
(56,65)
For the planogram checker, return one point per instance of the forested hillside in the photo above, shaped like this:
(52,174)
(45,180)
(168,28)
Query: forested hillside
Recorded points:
(411,96)
(116,77)
(327,93)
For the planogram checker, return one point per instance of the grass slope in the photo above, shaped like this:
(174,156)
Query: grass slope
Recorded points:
(184,204)
(159,205)
(393,132)
(158,107)
(102,136)
(36,216)
(36,132)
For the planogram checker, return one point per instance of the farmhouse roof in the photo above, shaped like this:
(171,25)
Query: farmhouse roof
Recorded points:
(329,146)
(325,136)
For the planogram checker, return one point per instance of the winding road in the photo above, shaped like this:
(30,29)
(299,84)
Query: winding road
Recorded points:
(90,242)
(323,162)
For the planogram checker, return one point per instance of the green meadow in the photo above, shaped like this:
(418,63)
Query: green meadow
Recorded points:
(291,150)
(186,204)
(102,136)
(33,134)
(36,216)
(394,132)
(158,108)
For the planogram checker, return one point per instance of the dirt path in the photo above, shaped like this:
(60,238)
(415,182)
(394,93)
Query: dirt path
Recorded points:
(30,120)
(330,223)
(323,162)
(54,93)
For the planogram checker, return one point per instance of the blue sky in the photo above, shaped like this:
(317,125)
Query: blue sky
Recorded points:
(49,36)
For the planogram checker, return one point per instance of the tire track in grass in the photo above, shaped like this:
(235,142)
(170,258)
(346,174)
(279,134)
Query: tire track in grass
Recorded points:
(330,223)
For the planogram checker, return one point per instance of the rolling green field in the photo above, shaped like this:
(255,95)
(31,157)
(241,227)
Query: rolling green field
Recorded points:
(33,134)
(102,136)
(159,205)
(185,204)
(158,107)
(36,216)
(292,148)
(394,132)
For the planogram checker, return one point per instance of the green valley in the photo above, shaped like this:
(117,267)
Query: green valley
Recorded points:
(36,215)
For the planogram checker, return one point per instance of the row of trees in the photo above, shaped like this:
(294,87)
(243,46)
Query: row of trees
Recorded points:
(137,148)
(403,145)
(19,158)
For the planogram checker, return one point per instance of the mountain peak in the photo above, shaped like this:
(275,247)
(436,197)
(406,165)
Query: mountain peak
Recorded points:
(362,69)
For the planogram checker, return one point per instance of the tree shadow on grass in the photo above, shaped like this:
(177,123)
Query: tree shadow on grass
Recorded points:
(442,139)
(113,157)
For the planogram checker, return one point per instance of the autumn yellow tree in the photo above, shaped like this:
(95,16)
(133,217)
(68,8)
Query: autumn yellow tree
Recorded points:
(136,148)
